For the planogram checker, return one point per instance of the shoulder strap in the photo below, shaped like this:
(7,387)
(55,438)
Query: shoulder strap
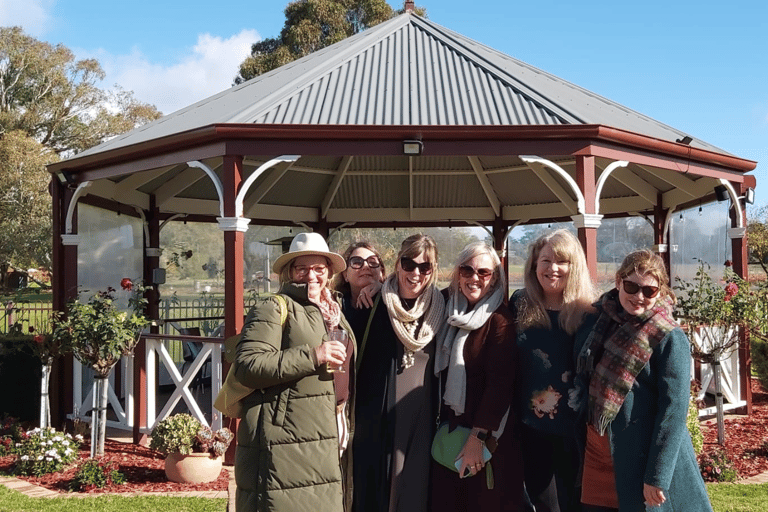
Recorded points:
(283,308)
(365,336)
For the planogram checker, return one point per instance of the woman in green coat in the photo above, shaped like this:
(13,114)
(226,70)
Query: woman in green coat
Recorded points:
(634,367)
(292,441)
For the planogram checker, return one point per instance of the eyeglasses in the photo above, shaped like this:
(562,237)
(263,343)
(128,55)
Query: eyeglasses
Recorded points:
(632,288)
(409,265)
(467,271)
(316,269)
(357,262)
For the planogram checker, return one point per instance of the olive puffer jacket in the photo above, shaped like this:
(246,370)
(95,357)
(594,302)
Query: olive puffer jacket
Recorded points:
(287,455)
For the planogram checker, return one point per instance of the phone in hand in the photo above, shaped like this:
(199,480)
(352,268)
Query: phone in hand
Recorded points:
(467,472)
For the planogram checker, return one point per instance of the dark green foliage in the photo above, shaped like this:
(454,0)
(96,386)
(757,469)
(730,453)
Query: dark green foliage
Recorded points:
(96,474)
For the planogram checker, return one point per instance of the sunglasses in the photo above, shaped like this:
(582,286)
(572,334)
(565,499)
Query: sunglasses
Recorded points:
(467,271)
(357,262)
(409,265)
(632,288)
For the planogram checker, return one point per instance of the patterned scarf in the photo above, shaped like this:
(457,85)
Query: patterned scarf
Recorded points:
(329,308)
(429,305)
(627,342)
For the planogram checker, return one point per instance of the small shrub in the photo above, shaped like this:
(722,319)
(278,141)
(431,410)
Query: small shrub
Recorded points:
(182,433)
(96,474)
(175,434)
(44,451)
(716,466)
(10,435)
(694,427)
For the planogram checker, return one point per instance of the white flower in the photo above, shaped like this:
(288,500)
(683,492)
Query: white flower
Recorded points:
(65,443)
(79,437)
(58,438)
(49,459)
(68,451)
(50,443)
(25,457)
(39,457)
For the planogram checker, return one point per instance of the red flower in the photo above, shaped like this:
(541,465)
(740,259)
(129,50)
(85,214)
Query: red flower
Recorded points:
(31,328)
(39,339)
(126,284)
(731,289)
(728,263)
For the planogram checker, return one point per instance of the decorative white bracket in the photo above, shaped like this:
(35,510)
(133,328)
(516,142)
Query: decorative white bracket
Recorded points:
(587,220)
(233,223)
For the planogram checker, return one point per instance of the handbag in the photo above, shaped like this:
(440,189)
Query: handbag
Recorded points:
(230,397)
(447,445)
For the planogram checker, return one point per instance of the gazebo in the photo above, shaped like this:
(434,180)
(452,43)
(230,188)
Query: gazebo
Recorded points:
(405,124)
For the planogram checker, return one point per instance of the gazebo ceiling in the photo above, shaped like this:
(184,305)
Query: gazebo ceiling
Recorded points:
(346,110)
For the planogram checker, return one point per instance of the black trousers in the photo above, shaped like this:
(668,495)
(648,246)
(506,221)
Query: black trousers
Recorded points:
(551,468)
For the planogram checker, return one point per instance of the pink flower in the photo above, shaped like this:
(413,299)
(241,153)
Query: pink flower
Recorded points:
(731,289)
(126,284)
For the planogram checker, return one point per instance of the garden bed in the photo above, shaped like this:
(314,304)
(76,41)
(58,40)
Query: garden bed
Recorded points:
(142,467)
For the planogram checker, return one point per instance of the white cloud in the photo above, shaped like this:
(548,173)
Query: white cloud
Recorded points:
(208,68)
(34,16)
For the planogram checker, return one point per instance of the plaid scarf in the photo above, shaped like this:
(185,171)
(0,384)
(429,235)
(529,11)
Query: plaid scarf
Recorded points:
(626,343)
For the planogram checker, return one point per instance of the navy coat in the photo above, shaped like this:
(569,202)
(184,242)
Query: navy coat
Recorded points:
(649,437)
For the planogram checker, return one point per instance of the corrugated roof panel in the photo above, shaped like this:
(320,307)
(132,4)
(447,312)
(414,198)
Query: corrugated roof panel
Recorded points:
(406,71)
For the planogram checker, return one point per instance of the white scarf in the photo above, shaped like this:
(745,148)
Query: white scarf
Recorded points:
(453,334)
(429,304)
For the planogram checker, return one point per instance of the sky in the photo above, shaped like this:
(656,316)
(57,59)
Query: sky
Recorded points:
(698,66)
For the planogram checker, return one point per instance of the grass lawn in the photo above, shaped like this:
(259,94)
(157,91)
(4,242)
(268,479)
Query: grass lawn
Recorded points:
(738,497)
(14,501)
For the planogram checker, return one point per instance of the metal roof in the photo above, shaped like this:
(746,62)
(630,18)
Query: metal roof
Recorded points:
(406,71)
(346,110)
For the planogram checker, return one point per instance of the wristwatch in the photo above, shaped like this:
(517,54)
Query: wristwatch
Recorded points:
(480,434)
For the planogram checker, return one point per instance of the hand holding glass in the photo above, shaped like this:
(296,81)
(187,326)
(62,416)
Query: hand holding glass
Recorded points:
(341,336)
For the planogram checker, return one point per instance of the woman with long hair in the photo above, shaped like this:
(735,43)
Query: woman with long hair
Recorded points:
(634,368)
(549,311)
(395,417)
(475,362)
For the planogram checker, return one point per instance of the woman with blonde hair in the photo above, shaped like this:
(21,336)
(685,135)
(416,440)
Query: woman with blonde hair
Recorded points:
(396,387)
(635,369)
(475,361)
(549,311)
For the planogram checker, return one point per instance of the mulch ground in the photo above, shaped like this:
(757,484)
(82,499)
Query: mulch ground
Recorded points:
(745,444)
(746,437)
(142,467)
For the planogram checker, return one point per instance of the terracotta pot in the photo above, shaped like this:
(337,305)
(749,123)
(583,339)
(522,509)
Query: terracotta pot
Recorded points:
(195,468)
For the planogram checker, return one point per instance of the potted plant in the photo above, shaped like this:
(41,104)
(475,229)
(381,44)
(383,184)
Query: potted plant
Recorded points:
(194,453)
(99,334)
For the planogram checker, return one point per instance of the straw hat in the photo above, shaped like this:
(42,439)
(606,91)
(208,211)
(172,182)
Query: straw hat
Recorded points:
(309,244)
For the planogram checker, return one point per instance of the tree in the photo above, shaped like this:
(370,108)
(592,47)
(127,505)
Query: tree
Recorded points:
(757,237)
(25,205)
(311,25)
(50,107)
(55,99)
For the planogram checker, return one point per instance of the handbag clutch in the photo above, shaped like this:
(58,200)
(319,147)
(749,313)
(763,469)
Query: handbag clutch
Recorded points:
(448,443)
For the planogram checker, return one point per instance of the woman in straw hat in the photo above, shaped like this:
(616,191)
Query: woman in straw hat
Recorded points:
(291,446)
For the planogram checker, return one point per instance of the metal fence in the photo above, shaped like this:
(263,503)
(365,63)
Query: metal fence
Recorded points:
(20,316)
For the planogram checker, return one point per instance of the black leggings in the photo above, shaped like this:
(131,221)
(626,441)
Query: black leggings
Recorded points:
(551,468)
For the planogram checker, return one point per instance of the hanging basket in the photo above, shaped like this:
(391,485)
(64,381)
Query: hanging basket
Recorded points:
(195,468)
